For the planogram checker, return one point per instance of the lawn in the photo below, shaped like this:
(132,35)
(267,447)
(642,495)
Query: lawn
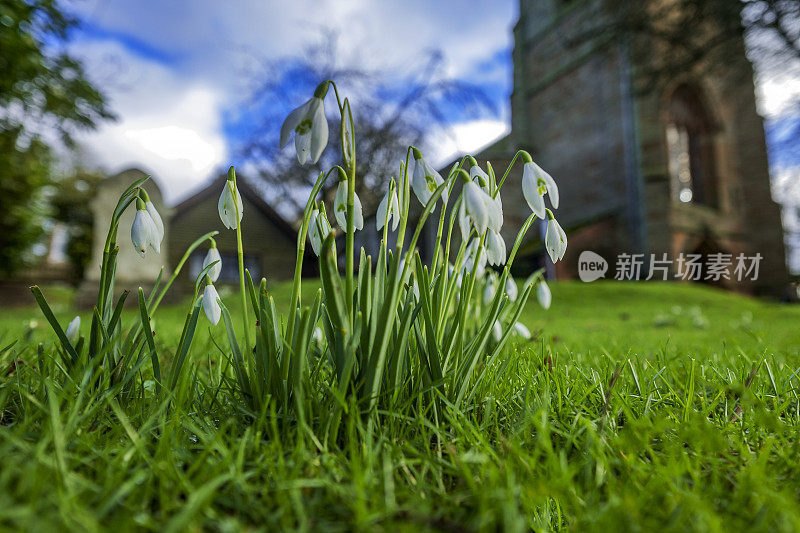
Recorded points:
(636,406)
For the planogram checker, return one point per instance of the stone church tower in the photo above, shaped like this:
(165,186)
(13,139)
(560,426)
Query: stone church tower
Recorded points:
(679,169)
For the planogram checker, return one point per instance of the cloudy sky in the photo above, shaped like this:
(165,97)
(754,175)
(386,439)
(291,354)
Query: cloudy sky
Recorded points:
(175,71)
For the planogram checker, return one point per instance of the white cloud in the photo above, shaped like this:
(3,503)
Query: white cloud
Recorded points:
(466,137)
(172,68)
(169,125)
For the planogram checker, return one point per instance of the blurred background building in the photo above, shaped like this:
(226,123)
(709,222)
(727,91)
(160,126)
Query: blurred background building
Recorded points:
(670,164)
(644,112)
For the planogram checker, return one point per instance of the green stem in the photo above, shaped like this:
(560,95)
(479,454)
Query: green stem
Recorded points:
(240,252)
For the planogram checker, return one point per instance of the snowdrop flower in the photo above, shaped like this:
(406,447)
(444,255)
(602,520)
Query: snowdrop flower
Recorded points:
(495,248)
(310,127)
(476,206)
(317,336)
(211,304)
(535,184)
(151,210)
(74,329)
(424,179)
(489,290)
(144,234)
(521,330)
(511,288)
(497,331)
(543,294)
(317,234)
(555,239)
(230,203)
(211,256)
(389,206)
(340,208)
(477,175)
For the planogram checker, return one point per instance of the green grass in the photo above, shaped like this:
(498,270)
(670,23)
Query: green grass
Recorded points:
(699,431)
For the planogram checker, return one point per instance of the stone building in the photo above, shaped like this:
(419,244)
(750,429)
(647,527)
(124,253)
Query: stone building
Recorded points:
(679,169)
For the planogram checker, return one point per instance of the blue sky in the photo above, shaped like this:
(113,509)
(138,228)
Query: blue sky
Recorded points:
(176,71)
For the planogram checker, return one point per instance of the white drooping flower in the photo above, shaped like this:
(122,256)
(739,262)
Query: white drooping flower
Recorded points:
(489,290)
(424,179)
(497,331)
(74,329)
(340,208)
(535,184)
(555,239)
(477,175)
(511,288)
(144,234)
(310,127)
(153,212)
(495,248)
(476,206)
(318,229)
(211,256)
(230,202)
(543,294)
(211,304)
(390,207)
(521,330)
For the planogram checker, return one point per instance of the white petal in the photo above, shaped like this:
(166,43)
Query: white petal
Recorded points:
(151,209)
(475,201)
(302,143)
(463,222)
(383,208)
(552,240)
(550,185)
(340,205)
(227,207)
(211,304)
(495,248)
(358,213)
(497,331)
(73,329)
(293,120)
(530,190)
(521,330)
(543,294)
(562,241)
(394,211)
(488,292)
(511,289)
(319,132)
(211,256)
(313,232)
(496,213)
(141,231)
(419,184)
(477,172)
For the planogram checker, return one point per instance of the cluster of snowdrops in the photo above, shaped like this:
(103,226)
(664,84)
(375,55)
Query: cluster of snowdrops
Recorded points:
(381,330)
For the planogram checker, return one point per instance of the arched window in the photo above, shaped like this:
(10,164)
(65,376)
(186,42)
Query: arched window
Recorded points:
(690,149)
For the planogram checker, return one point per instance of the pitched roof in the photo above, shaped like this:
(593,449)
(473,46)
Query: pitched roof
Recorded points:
(251,195)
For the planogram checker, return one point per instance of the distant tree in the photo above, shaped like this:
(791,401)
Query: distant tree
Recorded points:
(390,113)
(42,90)
(697,31)
(70,205)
